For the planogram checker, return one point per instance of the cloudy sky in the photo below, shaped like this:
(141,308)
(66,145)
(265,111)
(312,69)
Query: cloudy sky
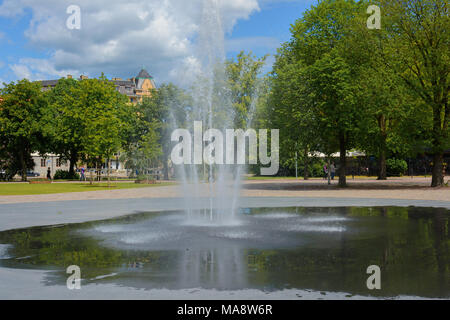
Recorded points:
(118,37)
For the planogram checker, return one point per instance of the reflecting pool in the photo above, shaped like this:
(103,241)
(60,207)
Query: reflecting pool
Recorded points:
(269,249)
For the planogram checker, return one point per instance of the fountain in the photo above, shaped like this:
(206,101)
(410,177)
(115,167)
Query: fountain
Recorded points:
(211,191)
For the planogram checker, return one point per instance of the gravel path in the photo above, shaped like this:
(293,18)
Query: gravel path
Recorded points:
(400,188)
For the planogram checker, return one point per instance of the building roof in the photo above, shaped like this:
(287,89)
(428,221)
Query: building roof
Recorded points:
(125,83)
(48,83)
(144,75)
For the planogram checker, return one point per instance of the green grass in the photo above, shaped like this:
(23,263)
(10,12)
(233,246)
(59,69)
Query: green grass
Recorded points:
(9,189)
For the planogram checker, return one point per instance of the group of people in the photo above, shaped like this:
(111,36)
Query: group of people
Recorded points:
(332,171)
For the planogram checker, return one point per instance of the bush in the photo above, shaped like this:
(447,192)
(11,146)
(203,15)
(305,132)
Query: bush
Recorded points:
(396,167)
(316,170)
(65,175)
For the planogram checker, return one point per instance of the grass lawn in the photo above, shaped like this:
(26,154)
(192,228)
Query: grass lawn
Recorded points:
(9,189)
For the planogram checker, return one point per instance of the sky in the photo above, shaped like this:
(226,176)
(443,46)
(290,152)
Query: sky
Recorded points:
(120,37)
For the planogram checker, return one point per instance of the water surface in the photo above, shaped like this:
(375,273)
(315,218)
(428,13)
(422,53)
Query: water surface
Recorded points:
(270,249)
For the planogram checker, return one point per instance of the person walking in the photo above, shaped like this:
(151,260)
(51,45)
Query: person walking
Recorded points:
(82,176)
(49,177)
(332,170)
(325,171)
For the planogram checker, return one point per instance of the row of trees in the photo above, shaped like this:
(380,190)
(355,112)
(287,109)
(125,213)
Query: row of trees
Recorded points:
(90,121)
(79,120)
(337,85)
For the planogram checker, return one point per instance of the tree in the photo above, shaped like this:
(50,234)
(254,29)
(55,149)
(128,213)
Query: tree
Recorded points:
(105,123)
(244,84)
(24,125)
(70,118)
(415,44)
(387,104)
(165,110)
(290,109)
(319,44)
(141,155)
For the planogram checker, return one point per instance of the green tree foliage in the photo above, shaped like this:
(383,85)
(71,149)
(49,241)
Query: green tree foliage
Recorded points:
(24,126)
(164,110)
(316,55)
(290,108)
(143,154)
(415,44)
(69,121)
(106,125)
(388,126)
(244,85)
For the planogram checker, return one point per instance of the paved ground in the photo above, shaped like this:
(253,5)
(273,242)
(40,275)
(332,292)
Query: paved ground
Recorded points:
(400,188)
(51,209)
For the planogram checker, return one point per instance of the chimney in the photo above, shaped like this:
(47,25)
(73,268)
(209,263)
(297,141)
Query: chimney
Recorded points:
(82,77)
(69,76)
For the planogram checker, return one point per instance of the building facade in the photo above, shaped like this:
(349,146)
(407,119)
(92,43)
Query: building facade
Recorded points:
(52,161)
(135,88)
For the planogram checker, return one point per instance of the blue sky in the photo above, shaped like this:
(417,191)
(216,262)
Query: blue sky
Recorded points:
(272,24)
(120,38)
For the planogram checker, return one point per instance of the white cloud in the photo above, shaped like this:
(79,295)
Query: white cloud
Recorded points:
(21,71)
(118,37)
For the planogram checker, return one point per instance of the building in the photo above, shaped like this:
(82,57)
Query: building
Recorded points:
(135,88)
(52,161)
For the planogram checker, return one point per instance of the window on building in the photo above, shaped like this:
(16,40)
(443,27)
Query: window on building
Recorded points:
(58,162)
(42,162)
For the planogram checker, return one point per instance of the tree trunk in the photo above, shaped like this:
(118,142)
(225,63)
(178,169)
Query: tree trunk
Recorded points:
(439,130)
(438,174)
(107,171)
(306,175)
(382,174)
(23,165)
(73,160)
(166,168)
(342,161)
(91,180)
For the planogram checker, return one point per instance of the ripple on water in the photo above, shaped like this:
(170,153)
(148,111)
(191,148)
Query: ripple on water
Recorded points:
(326,219)
(236,235)
(314,228)
(212,223)
(277,215)
(3,251)
(145,238)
